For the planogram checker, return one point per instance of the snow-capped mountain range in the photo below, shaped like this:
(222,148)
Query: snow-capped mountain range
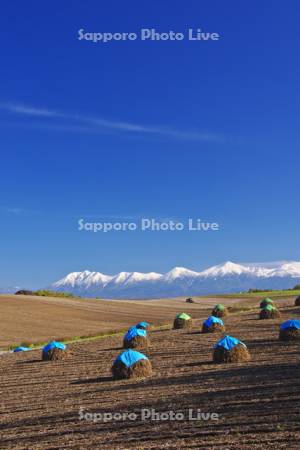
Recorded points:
(227,277)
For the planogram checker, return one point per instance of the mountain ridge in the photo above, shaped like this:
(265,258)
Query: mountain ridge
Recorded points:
(222,278)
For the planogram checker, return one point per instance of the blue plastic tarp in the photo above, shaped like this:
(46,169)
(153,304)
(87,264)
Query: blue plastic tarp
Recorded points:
(292,323)
(142,324)
(134,332)
(130,357)
(52,345)
(228,342)
(21,349)
(211,320)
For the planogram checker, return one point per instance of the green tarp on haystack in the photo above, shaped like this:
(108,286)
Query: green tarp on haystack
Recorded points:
(265,302)
(219,307)
(183,316)
(269,308)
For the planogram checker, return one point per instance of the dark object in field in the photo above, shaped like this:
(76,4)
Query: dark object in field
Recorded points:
(137,342)
(220,311)
(213,328)
(182,321)
(265,302)
(131,364)
(239,353)
(55,354)
(24,292)
(297,301)
(269,312)
(189,300)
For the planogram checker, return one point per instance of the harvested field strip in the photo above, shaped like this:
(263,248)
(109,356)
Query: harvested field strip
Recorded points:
(258,401)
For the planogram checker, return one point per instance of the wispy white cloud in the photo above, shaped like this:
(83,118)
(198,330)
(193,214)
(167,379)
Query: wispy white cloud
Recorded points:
(97,124)
(13,210)
(29,110)
(91,216)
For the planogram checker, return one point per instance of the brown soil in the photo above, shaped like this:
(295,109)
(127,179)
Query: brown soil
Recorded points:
(257,402)
(138,343)
(26,319)
(214,328)
(141,369)
(182,323)
(238,354)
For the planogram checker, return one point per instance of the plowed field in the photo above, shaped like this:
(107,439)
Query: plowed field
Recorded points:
(257,403)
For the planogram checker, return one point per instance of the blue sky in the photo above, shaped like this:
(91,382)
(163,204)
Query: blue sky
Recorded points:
(147,128)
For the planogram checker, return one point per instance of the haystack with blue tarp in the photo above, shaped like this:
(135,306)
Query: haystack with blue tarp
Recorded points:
(230,350)
(136,338)
(269,312)
(290,330)
(131,364)
(54,351)
(219,310)
(143,325)
(212,325)
(182,320)
(21,349)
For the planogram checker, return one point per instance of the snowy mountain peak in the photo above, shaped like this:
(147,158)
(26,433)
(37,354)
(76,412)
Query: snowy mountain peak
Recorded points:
(120,277)
(227,268)
(178,272)
(145,276)
(82,278)
(136,277)
(287,268)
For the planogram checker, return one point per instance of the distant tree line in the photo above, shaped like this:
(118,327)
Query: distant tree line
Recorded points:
(46,293)
(253,291)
